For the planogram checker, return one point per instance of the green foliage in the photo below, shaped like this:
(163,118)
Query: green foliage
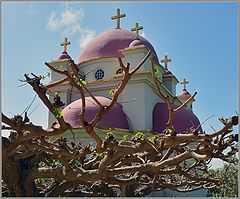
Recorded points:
(57,112)
(156,71)
(40,180)
(83,82)
(154,138)
(119,75)
(42,77)
(228,181)
(102,154)
(48,73)
(110,134)
(79,81)
(125,137)
(55,163)
(91,148)
(76,163)
(140,135)
(111,92)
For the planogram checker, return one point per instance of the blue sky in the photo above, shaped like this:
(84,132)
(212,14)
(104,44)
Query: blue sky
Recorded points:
(201,38)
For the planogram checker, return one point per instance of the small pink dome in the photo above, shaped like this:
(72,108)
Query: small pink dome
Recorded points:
(185,93)
(183,119)
(109,43)
(65,55)
(136,42)
(167,73)
(114,118)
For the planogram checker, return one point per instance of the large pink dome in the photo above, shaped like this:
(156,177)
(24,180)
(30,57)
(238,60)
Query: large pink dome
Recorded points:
(114,118)
(108,43)
(182,120)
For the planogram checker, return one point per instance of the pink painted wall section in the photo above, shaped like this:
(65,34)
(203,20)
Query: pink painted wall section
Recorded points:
(114,118)
(182,120)
(108,43)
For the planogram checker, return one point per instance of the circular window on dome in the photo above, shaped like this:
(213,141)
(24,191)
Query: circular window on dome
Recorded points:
(119,71)
(99,74)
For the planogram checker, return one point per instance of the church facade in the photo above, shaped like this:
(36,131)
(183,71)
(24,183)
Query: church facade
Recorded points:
(139,106)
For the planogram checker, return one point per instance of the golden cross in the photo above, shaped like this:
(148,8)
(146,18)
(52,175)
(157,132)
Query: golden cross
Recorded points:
(118,17)
(65,44)
(184,83)
(165,61)
(137,28)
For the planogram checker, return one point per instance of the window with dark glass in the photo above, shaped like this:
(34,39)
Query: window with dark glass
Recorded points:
(119,71)
(99,74)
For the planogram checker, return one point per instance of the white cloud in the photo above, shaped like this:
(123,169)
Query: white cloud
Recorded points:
(70,16)
(68,21)
(86,36)
(72,29)
(53,23)
(66,18)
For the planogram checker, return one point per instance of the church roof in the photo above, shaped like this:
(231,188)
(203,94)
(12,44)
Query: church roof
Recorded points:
(136,42)
(167,73)
(65,55)
(184,93)
(182,120)
(115,118)
(108,44)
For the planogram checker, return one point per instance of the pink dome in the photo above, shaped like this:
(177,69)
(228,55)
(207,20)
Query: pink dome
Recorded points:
(108,43)
(167,73)
(184,93)
(65,55)
(114,118)
(136,42)
(183,119)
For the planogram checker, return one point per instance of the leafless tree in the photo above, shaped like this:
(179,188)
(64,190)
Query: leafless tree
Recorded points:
(34,165)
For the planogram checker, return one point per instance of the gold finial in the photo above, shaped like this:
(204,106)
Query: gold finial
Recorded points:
(137,28)
(118,17)
(65,44)
(184,83)
(165,61)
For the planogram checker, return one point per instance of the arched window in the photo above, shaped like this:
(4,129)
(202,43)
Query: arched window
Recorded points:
(99,74)
(119,71)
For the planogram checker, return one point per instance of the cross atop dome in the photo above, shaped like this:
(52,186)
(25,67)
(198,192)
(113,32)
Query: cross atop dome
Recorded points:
(65,44)
(165,61)
(184,82)
(137,28)
(118,17)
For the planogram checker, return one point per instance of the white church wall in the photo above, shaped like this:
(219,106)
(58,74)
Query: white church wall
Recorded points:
(170,83)
(51,117)
(61,65)
(108,65)
(104,93)
(134,57)
(134,109)
(151,98)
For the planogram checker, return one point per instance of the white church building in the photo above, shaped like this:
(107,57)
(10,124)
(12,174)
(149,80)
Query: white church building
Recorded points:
(139,107)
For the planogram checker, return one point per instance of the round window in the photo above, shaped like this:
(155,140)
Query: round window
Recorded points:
(119,71)
(99,74)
